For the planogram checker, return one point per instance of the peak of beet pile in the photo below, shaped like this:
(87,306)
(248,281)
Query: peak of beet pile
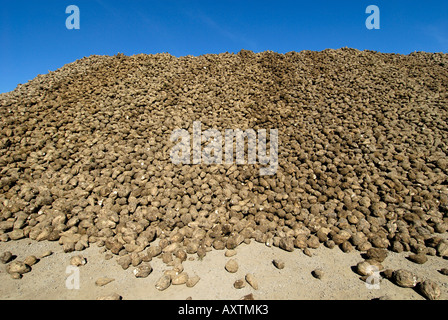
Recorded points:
(362,153)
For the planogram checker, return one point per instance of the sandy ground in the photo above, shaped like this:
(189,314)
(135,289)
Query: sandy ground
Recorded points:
(47,280)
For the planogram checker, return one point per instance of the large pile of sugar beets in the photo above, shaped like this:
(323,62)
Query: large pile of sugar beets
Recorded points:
(362,157)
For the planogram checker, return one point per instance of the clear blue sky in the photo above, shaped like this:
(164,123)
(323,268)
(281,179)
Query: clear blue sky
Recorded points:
(34,38)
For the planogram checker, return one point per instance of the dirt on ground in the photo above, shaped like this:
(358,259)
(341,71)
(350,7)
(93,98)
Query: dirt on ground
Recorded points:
(50,278)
